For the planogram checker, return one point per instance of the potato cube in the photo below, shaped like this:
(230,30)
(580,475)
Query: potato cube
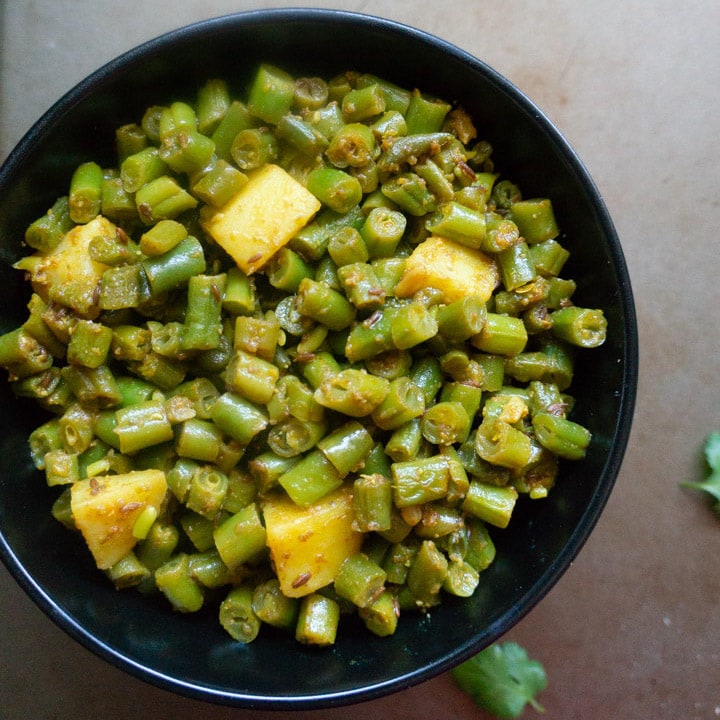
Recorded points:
(308,545)
(454,269)
(261,218)
(105,510)
(67,274)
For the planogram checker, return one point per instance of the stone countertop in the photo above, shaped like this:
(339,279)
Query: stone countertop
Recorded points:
(632,630)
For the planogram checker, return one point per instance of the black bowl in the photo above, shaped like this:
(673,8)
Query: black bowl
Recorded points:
(192,655)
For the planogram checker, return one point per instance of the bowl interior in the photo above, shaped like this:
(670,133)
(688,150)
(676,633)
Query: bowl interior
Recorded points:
(192,654)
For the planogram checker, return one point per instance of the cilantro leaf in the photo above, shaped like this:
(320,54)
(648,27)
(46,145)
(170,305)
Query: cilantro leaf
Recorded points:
(711,484)
(502,679)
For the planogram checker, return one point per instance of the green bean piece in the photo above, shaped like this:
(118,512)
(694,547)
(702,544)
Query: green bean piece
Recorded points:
(501,233)
(89,344)
(583,327)
(267,467)
(438,521)
(310,479)
(561,436)
(199,529)
(405,441)
(460,320)
(500,443)
(480,551)
(203,321)
(326,273)
(128,572)
(36,326)
(93,387)
(164,372)
(318,620)
(286,270)
(271,94)
(535,219)
(363,103)
(372,503)
(516,266)
(419,481)
(175,581)
(122,287)
(162,199)
(361,285)
(238,417)
(335,188)
(61,467)
(403,402)
(560,292)
(311,93)
(237,616)
(549,257)
(198,440)
(141,168)
(293,437)
(425,114)
(492,504)
(445,423)
(347,447)
(371,336)
(241,490)
(408,150)
(410,193)
(241,537)
(176,117)
(142,425)
(157,547)
(391,364)
(382,231)
(239,297)
(324,305)
(219,184)
(427,575)
(301,134)
(552,364)
(272,607)
(360,580)
(319,367)
(353,145)
(213,101)
(22,355)
(461,580)
(254,147)
(84,197)
(175,267)
(390,124)
(236,119)
(459,223)
(129,139)
(347,246)
(327,119)
(501,335)
(209,571)
(412,325)
(352,392)
(48,388)
(116,203)
(251,377)
(441,187)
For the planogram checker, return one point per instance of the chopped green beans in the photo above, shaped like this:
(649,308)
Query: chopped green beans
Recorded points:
(304,351)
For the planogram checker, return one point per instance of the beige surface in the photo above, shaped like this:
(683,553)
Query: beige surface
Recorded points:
(633,629)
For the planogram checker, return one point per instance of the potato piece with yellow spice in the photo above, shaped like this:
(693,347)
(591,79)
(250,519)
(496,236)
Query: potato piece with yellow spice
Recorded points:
(68,274)
(106,508)
(261,218)
(455,270)
(308,545)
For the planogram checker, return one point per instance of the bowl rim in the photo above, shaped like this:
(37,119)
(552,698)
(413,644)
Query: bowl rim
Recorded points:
(619,441)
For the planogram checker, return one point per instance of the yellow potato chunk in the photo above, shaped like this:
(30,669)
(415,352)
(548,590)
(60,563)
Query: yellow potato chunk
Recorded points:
(105,510)
(308,545)
(67,274)
(261,218)
(455,270)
